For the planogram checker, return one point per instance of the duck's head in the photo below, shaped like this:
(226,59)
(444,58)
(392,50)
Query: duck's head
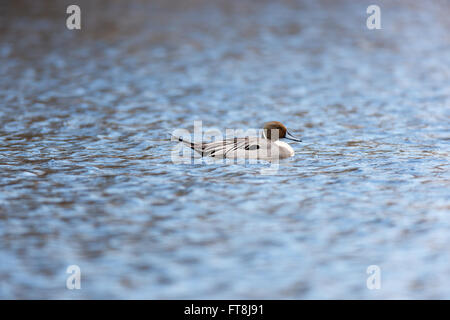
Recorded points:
(270,133)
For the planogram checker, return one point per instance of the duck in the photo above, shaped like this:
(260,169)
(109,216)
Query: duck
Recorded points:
(267,147)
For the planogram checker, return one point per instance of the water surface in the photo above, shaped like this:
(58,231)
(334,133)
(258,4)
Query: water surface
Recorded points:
(86,176)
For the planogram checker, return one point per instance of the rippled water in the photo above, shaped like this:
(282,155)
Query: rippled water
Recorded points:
(86,176)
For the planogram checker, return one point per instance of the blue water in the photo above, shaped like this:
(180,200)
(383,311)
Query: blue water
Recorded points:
(86,176)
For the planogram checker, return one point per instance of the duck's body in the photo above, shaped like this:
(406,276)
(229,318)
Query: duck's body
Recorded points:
(267,147)
(243,148)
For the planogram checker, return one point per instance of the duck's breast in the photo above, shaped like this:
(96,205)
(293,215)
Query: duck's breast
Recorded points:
(285,150)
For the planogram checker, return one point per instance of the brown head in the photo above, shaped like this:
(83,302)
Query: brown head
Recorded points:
(275,130)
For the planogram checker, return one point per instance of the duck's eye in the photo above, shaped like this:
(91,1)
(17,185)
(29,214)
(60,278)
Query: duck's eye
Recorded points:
(252,147)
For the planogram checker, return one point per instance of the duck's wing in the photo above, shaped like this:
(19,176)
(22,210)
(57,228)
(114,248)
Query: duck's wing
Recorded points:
(230,148)
(225,148)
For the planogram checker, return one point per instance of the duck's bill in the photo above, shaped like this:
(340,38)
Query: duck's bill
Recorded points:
(291,137)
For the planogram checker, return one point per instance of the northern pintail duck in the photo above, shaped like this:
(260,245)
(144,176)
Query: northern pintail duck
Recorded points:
(267,147)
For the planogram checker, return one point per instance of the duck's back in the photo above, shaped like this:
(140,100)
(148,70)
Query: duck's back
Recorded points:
(248,148)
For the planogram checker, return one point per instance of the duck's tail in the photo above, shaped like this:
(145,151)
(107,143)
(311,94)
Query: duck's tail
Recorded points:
(198,147)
